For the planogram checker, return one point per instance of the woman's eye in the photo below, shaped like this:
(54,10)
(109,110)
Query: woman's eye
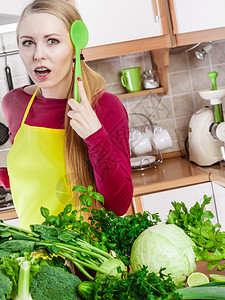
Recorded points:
(53,41)
(27,43)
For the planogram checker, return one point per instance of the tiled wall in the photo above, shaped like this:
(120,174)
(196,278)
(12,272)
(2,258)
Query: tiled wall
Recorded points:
(186,76)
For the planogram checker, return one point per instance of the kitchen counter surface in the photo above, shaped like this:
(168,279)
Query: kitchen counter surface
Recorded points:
(170,174)
(216,173)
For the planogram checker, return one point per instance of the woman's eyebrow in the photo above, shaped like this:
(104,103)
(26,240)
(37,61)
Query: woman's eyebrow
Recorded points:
(46,36)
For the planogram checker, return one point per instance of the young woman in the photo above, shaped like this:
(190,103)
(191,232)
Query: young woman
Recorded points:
(58,142)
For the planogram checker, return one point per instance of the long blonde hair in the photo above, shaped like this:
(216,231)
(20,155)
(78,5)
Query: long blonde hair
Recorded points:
(78,164)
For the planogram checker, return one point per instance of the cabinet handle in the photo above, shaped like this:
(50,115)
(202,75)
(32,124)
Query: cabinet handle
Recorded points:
(155,10)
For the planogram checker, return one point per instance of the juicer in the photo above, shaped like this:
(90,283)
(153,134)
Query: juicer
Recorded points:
(206,134)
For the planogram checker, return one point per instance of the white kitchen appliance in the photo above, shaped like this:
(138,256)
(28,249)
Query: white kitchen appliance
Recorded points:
(203,148)
(206,134)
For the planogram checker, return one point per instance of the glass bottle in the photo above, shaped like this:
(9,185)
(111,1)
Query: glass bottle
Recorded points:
(150,79)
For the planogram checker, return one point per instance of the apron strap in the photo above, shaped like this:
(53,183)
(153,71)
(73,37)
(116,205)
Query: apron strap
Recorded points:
(29,106)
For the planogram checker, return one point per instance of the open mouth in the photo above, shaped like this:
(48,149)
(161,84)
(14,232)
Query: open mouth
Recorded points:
(42,71)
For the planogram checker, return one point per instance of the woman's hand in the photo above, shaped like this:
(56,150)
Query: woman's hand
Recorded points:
(83,118)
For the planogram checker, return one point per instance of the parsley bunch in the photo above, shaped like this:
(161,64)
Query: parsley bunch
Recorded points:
(139,285)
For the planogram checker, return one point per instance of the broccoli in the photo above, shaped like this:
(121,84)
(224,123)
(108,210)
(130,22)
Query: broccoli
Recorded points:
(5,286)
(54,283)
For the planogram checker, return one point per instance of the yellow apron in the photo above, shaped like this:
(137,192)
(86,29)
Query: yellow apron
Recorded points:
(37,173)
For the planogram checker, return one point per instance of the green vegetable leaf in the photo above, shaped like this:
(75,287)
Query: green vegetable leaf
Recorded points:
(67,209)
(80,189)
(90,189)
(44,212)
(17,246)
(98,197)
(85,200)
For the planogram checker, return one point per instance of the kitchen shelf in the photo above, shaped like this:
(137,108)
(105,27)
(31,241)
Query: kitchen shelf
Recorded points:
(160,62)
(141,93)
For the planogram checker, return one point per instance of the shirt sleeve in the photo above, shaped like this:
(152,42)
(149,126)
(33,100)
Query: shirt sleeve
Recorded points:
(4,178)
(110,155)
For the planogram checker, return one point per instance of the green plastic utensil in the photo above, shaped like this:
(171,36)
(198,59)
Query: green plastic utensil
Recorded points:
(218,117)
(79,36)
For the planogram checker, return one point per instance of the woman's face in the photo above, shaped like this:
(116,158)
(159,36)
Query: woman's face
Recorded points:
(47,53)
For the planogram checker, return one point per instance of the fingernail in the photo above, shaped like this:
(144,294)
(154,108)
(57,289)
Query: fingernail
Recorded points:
(78,79)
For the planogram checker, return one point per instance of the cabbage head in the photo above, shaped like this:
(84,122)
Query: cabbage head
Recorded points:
(164,246)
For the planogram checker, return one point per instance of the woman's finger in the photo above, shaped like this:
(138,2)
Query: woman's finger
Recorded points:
(73,104)
(81,90)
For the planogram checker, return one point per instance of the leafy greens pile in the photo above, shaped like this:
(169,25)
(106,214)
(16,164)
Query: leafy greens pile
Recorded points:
(89,246)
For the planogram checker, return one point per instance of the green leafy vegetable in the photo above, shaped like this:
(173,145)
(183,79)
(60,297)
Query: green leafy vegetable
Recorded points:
(165,246)
(58,241)
(209,240)
(54,283)
(5,285)
(137,285)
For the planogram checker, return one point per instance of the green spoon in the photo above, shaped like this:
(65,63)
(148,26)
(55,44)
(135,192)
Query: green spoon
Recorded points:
(79,36)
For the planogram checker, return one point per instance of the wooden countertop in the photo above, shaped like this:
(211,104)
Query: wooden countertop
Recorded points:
(216,173)
(171,173)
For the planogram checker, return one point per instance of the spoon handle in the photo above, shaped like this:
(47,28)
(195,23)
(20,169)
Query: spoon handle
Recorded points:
(77,74)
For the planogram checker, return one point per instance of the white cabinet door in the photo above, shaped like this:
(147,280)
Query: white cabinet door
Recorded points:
(219,195)
(161,202)
(116,21)
(198,15)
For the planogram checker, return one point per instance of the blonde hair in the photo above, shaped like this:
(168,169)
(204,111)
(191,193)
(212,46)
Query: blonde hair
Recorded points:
(77,159)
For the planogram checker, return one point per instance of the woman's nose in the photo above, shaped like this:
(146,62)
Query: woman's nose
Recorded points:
(39,53)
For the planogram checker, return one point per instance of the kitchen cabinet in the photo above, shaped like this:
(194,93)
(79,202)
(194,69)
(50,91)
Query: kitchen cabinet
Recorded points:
(197,21)
(118,21)
(123,27)
(219,196)
(161,202)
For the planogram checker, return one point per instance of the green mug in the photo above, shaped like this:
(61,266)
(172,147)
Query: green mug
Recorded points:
(131,79)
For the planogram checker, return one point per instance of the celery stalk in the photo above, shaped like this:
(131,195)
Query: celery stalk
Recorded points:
(24,282)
